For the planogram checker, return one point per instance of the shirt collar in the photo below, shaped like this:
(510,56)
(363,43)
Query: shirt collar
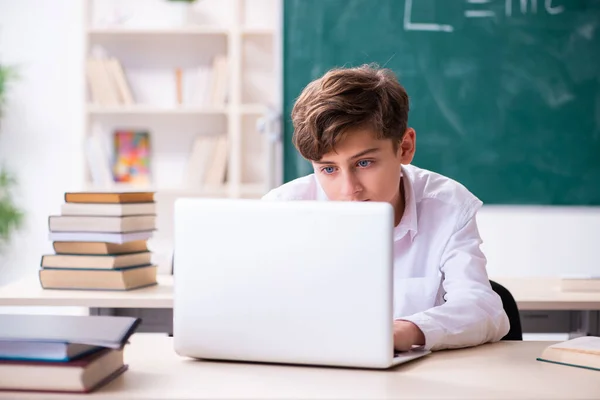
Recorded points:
(408,222)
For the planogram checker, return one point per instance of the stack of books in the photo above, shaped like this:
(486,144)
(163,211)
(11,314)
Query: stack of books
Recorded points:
(62,353)
(100,242)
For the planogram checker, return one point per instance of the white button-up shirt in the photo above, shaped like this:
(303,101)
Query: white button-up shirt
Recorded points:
(440,277)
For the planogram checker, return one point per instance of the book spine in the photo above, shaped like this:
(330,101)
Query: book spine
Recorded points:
(40,279)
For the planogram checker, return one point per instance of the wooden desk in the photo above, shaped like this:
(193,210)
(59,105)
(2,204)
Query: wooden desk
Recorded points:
(502,370)
(28,292)
(571,312)
(530,294)
(545,294)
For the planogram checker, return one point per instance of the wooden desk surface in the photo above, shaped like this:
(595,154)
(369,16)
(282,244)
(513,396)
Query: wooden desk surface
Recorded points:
(28,292)
(504,370)
(530,294)
(544,294)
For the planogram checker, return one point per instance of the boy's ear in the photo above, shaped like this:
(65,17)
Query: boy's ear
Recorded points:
(408,146)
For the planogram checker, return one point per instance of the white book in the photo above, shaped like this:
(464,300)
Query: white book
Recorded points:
(204,84)
(117,210)
(118,238)
(220,81)
(103,89)
(72,223)
(119,80)
(199,160)
(98,161)
(215,176)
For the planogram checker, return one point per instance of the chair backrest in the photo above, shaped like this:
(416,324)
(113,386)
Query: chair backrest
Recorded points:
(512,311)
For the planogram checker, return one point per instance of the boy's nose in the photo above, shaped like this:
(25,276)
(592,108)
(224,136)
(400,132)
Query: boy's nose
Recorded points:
(350,188)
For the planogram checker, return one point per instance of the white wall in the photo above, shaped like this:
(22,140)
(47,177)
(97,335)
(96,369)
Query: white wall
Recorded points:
(40,134)
(541,241)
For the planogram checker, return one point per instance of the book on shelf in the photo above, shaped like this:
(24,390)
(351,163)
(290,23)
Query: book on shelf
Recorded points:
(62,353)
(207,162)
(197,83)
(219,91)
(131,157)
(107,81)
(122,156)
(98,155)
(110,85)
(204,85)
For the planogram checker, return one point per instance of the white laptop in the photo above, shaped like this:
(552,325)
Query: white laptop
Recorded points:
(299,282)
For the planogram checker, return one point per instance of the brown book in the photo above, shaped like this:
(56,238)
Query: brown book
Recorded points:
(100,248)
(109,197)
(71,223)
(98,279)
(82,261)
(83,375)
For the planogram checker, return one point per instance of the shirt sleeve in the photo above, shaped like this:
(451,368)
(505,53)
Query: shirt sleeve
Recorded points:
(473,313)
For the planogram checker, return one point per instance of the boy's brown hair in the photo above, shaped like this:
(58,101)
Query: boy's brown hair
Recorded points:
(346,98)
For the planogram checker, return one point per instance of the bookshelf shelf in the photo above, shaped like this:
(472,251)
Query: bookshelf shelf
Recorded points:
(247,190)
(251,190)
(258,31)
(154,110)
(184,31)
(245,109)
(253,109)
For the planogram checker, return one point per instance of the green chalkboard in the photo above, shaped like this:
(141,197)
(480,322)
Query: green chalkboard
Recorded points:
(505,94)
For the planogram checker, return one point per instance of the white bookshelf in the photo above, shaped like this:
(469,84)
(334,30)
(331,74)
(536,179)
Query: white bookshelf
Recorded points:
(154,110)
(154,38)
(153,32)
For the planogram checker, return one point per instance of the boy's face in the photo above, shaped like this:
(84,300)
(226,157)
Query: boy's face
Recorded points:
(364,168)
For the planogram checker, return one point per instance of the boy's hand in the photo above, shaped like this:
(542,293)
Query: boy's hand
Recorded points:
(407,334)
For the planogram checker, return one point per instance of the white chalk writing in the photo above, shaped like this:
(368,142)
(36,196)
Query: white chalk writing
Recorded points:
(479,13)
(531,7)
(477,9)
(553,10)
(409,25)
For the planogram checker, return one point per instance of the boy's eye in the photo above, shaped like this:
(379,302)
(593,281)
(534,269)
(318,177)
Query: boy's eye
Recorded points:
(364,163)
(328,170)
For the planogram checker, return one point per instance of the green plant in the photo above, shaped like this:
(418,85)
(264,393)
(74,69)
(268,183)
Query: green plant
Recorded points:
(6,75)
(11,217)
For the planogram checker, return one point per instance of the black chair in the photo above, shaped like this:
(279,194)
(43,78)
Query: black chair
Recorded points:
(512,311)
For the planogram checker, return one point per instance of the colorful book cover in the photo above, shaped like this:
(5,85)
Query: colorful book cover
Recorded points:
(132,157)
